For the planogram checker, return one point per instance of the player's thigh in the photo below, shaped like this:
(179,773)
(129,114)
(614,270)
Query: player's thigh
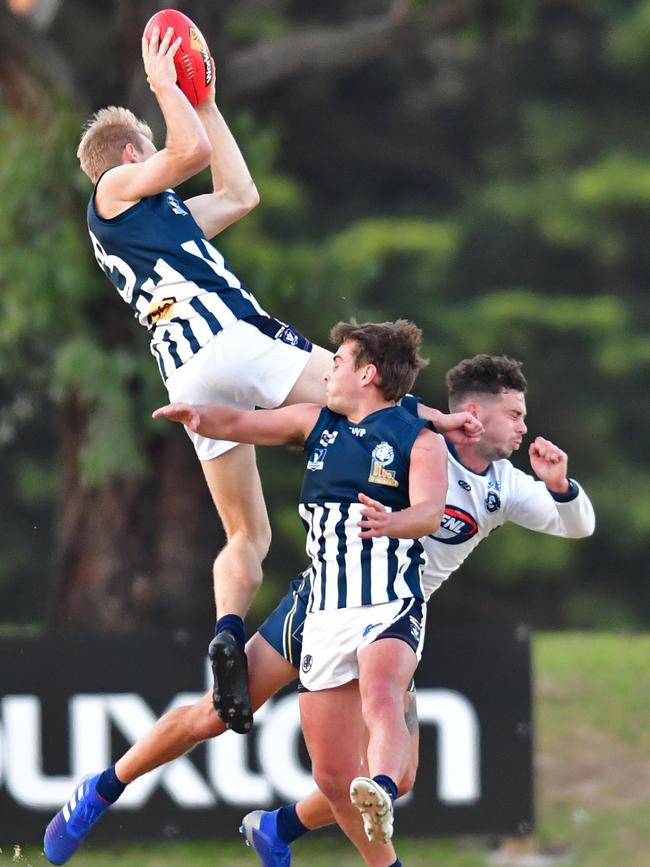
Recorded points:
(310,385)
(386,668)
(236,489)
(333,729)
(268,670)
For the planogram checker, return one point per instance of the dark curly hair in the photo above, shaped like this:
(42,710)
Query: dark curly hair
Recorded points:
(484,374)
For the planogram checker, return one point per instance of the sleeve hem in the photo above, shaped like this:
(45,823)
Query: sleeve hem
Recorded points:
(571,494)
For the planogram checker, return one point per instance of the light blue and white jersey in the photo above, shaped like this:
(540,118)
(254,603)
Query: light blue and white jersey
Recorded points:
(175,281)
(343,460)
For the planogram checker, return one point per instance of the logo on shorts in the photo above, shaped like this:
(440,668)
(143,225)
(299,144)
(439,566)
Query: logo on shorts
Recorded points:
(369,628)
(416,627)
(307,662)
(382,455)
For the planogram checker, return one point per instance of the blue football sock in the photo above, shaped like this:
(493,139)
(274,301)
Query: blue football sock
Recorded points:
(387,784)
(289,825)
(233,623)
(109,786)
(397,863)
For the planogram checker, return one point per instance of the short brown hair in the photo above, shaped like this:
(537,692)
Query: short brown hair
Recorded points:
(484,374)
(392,347)
(105,136)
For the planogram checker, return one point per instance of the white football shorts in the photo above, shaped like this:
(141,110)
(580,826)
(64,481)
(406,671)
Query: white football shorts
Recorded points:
(253,362)
(333,638)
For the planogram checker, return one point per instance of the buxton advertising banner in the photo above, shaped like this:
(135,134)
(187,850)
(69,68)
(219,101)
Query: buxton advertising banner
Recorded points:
(70,706)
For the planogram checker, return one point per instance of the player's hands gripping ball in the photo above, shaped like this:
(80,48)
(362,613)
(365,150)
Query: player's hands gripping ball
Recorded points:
(193,62)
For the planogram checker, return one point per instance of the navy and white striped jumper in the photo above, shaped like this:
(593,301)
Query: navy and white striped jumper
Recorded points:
(175,281)
(343,460)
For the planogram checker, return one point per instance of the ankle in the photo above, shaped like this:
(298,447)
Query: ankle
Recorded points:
(233,623)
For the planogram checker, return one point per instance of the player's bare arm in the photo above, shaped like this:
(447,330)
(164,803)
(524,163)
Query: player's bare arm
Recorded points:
(550,464)
(460,428)
(187,147)
(289,425)
(427,490)
(234,192)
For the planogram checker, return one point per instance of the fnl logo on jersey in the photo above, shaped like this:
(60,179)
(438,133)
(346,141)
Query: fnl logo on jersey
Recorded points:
(456,526)
(227,776)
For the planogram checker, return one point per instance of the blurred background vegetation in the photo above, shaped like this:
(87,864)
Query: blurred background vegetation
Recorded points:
(480,167)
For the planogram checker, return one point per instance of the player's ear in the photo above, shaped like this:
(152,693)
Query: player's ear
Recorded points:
(370,374)
(130,153)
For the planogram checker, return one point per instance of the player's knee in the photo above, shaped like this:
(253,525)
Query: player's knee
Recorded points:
(333,783)
(382,700)
(262,539)
(256,537)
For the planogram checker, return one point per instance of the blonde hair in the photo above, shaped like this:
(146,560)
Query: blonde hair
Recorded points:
(105,136)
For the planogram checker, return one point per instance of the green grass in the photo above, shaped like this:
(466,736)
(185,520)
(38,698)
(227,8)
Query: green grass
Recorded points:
(592,763)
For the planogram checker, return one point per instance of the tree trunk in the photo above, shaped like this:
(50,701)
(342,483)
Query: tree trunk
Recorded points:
(137,551)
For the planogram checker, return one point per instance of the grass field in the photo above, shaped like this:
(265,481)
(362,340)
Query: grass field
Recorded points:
(593,778)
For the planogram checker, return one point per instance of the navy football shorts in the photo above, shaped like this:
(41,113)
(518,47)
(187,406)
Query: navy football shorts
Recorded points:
(283,627)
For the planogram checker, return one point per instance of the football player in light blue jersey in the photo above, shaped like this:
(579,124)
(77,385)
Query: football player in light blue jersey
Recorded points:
(375,483)
(212,340)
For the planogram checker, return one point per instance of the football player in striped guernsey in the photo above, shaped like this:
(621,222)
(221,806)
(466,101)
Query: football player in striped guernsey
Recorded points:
(274,654)
(487,383)
(212,340)
(375,484)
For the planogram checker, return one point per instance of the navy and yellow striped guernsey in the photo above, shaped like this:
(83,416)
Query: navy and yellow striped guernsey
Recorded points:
(175,281)
(343,460)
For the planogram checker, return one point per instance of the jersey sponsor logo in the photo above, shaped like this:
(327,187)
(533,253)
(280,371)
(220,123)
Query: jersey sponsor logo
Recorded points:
(358,431)
(464,485)
(457,526)
(382,455)
(316,461)
(162,309)
(176,206)
(327,438)
(288,335)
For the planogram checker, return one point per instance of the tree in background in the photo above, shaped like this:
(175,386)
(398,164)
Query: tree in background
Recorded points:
(482,172)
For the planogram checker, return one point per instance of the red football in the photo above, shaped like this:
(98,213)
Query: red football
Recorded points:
(194,69)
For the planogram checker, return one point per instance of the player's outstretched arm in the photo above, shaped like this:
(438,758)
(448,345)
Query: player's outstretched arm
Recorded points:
(234,193)
(460,428)
(288,425)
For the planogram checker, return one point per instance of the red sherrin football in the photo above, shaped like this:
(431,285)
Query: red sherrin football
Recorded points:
(194,70)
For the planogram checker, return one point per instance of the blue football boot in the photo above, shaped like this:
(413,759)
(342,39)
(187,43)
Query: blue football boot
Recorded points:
(67,830)
(260,831)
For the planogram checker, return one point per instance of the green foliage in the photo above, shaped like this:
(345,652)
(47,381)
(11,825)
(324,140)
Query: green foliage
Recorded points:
(496,192)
